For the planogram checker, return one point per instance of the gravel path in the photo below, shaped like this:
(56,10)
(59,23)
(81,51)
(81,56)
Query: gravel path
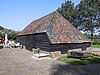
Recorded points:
(21,62)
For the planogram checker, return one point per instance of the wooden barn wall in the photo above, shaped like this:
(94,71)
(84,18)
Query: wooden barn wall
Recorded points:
(65,47)
(42,41)
(18,39)
(35,41)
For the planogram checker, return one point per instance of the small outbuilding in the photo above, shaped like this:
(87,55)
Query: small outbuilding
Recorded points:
(52,33)
(1,40)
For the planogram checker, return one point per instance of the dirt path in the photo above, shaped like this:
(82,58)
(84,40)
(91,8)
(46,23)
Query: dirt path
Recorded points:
(20,62)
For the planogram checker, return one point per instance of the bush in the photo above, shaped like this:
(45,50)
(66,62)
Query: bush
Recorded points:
(96,41)
(37,50)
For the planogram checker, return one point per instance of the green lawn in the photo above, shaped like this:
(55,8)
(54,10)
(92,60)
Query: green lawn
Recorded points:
(75,61)
(1,44)
(96,46)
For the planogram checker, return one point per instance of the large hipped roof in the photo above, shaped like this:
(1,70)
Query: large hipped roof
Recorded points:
(58,29)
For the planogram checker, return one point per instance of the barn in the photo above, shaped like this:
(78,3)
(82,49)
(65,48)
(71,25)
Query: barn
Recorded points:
(52,33)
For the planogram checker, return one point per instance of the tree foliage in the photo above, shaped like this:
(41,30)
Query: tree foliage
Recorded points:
(11,34)
(1,28)
(68,11)
(89,11)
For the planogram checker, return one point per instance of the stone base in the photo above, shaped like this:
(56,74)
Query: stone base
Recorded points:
(41,55)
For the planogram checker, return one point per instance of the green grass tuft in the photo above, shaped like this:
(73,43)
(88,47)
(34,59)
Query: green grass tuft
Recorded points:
(74,61)
(96,46)
(1,44)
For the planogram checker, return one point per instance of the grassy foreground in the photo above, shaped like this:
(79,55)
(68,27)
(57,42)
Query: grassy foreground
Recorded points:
(1,44)
(96,46)
(89,60)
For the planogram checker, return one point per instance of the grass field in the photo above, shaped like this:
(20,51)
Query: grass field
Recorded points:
(1,44)
(75,61)
(96,46)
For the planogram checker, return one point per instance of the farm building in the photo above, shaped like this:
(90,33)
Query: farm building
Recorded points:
(1,40)
(52,33)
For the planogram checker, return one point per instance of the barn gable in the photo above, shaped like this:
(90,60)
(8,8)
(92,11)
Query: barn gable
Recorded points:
(58,29)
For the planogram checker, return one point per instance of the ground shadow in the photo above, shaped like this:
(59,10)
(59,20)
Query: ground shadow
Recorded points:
(66,69)
(1,47)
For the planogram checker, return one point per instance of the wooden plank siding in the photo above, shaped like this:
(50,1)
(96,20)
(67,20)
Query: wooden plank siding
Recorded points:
(42,41)
(35,41)
(69,46)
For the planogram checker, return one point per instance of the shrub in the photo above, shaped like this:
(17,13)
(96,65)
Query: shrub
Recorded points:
(37,50)
(96,41)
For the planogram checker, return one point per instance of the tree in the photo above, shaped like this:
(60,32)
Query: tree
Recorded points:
(1,28)
(68,11)
(0,34)
(12,34)
(89,11)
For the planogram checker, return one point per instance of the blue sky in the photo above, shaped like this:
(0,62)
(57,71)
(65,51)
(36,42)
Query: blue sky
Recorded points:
(17,14)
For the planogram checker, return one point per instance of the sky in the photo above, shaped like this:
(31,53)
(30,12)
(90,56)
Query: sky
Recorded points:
(17,14)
